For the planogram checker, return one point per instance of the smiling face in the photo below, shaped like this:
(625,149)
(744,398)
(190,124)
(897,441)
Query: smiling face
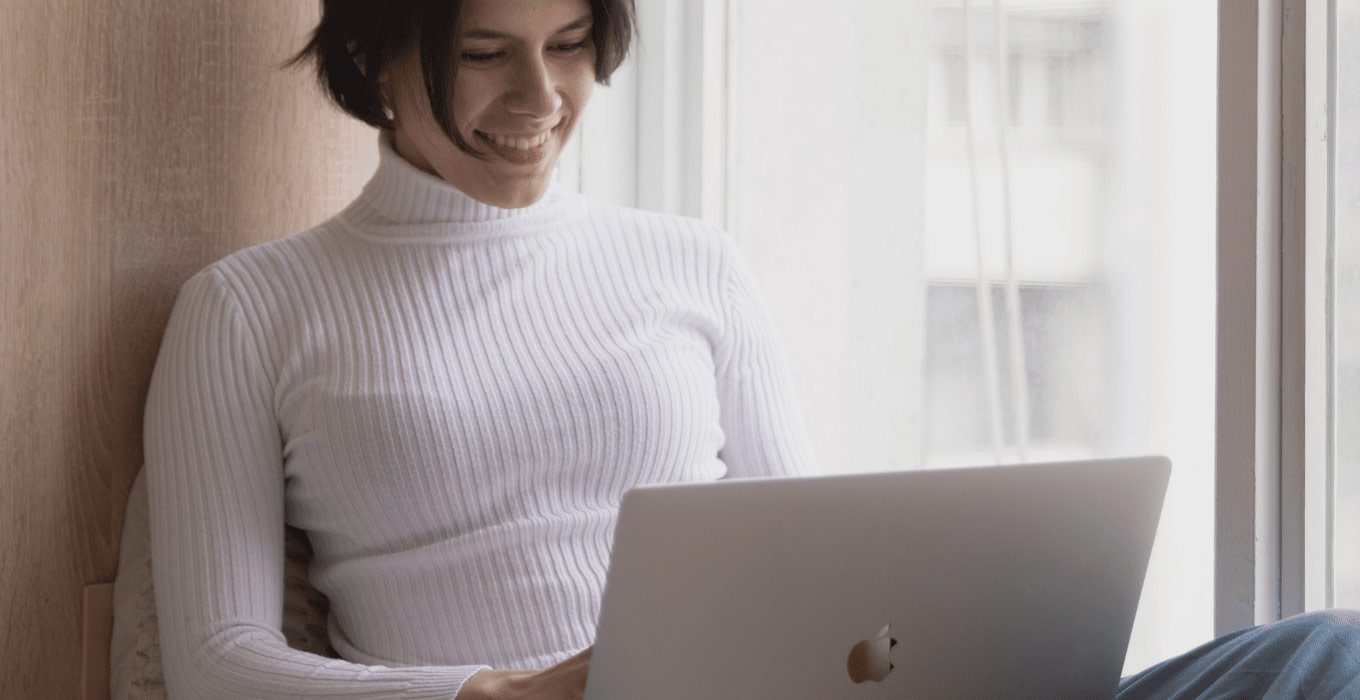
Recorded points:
(525,72)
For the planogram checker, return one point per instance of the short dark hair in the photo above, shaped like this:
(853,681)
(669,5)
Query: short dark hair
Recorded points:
(356,40)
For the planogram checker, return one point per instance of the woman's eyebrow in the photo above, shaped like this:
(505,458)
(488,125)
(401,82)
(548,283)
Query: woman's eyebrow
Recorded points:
(583,21)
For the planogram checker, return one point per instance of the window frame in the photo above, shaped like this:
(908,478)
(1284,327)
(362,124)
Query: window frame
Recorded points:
(1307,421)
(1247,443)
(1275,423)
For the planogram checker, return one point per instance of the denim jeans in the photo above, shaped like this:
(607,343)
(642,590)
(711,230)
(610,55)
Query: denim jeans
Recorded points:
(1314,656)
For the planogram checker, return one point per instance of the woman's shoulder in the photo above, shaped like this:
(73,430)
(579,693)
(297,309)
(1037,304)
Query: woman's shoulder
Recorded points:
(270,265)
(293,252)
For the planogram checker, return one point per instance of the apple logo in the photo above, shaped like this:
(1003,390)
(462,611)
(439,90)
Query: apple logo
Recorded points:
(869,659)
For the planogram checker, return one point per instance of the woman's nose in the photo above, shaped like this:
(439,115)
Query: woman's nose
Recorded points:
(535,90)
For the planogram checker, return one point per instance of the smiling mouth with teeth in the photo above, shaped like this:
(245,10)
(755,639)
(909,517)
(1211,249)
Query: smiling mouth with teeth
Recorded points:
(519,143)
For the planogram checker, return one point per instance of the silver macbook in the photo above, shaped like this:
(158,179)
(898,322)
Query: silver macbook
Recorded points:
(1016,582)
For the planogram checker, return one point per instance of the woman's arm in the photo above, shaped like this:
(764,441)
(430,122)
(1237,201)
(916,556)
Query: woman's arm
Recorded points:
(215,481)
(765,434)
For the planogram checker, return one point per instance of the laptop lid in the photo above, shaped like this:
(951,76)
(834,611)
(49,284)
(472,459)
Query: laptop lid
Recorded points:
(993,582)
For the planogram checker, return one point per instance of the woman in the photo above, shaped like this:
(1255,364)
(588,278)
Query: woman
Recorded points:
(451,383)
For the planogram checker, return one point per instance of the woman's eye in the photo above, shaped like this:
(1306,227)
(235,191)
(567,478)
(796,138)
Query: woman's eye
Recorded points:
(481,57)
(487,57)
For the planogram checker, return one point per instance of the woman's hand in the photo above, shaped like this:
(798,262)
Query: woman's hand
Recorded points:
(565,681)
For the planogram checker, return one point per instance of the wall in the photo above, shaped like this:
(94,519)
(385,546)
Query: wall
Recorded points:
(139,141)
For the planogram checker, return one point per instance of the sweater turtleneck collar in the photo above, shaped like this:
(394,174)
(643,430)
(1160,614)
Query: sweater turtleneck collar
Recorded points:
(403,202)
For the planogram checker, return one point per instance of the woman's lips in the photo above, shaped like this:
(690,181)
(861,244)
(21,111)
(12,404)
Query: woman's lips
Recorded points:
(528,156)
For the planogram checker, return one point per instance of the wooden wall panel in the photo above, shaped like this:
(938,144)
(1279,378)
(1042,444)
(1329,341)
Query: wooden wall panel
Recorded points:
(139,141)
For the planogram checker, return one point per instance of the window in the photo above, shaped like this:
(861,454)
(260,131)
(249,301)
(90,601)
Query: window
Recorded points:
(972,271)
(995,240)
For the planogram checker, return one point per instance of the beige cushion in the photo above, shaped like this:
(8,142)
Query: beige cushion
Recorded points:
(134,651)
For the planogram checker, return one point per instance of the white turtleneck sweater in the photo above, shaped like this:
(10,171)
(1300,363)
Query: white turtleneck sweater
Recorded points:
(451,399)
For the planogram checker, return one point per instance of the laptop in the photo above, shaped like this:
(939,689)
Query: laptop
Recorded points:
(1013,582)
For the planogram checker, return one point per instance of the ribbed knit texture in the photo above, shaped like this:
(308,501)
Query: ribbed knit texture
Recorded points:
(451,399)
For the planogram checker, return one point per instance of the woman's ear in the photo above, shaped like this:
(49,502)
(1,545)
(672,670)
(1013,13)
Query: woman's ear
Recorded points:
(385,95)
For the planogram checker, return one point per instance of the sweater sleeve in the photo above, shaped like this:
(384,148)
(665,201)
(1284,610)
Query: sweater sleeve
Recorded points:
(763,429)
(215,482)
